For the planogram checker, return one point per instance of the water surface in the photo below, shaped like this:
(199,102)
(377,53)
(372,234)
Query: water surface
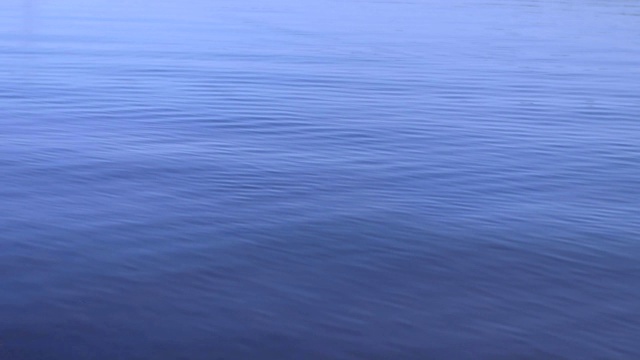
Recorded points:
(322,179)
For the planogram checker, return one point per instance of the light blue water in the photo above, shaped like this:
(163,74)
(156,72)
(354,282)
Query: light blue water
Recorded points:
(319,179)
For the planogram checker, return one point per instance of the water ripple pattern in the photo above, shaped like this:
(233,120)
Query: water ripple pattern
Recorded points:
(322,179)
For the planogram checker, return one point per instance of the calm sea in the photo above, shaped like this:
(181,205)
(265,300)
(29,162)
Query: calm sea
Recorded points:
(320,179)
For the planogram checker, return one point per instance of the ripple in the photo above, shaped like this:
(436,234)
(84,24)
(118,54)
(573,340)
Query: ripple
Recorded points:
(331,180)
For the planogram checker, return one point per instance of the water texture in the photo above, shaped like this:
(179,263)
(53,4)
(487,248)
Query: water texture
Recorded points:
(320,179)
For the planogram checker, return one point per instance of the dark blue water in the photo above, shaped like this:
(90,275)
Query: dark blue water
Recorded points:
(319,179)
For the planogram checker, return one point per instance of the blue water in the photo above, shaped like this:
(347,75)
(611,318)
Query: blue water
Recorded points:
(321,179)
